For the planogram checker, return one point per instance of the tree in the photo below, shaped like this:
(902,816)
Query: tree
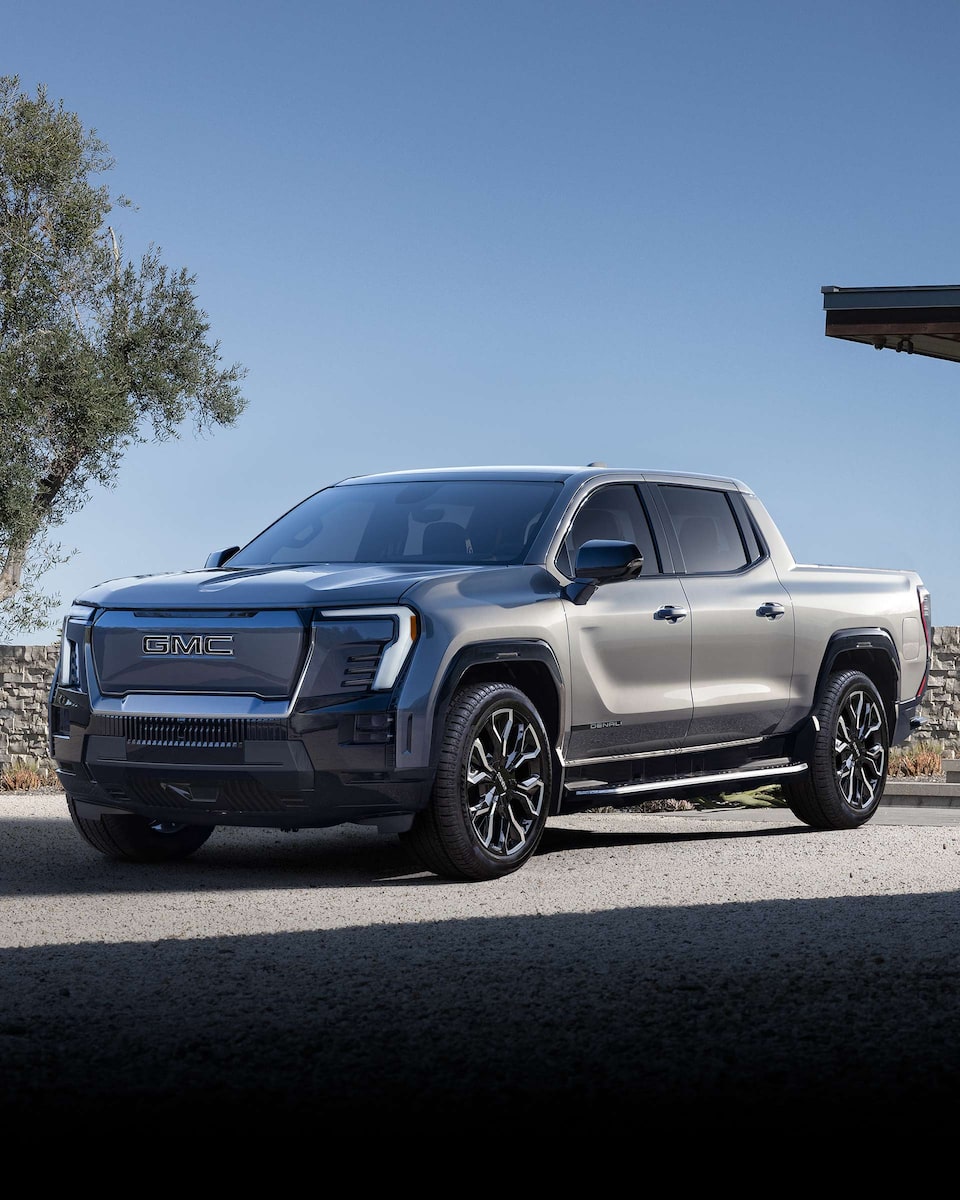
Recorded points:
(96,353)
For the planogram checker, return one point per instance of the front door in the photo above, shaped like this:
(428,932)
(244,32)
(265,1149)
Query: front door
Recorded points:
(630,643)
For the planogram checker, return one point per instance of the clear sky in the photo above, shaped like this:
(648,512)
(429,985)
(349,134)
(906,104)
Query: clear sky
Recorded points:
(444,232)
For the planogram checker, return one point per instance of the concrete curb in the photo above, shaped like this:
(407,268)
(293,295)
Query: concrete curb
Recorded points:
(917,794)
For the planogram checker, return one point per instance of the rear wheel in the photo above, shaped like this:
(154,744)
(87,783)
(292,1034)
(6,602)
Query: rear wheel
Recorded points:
(492,791)
(848,765)
(139,839)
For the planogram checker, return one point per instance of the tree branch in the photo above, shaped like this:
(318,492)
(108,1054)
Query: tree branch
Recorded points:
(12,571)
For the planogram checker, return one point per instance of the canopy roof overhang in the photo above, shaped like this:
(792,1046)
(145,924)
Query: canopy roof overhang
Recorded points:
(912,320)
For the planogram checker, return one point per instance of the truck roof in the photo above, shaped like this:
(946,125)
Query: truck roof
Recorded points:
(559,474)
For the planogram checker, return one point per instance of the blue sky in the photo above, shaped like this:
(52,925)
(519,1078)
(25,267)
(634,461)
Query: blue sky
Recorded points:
(486,232)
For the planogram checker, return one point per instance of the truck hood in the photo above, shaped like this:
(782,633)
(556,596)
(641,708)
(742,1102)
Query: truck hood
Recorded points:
(266,587)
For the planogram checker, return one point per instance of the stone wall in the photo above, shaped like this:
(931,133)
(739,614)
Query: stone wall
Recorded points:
(25,676)
(26,673)
(941,701)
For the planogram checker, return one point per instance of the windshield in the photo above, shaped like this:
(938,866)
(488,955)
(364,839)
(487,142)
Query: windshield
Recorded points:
(462,522)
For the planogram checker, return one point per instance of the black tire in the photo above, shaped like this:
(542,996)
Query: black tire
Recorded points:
(847,771)
(491,796)
(138,839)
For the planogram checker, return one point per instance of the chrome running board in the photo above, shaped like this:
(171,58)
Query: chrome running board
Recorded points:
(686,781)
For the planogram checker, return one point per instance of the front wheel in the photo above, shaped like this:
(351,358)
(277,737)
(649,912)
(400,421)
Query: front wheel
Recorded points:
(138,839)
(492,791)
(848,765)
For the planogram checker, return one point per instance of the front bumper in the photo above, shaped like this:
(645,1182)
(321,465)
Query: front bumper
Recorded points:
(316,769)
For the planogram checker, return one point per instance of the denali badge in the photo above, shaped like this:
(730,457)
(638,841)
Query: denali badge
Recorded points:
(190,643)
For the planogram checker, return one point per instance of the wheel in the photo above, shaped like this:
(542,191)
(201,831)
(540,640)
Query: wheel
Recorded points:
(848,764)
(492,791)
(138,839)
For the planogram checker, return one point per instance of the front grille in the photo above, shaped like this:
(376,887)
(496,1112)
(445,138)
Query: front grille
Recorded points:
(215,733)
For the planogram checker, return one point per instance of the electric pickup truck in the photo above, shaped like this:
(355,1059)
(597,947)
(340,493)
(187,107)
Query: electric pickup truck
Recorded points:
(455,655)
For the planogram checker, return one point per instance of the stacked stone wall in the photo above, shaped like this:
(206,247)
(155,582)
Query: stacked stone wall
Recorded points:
(941,701)
(27,671)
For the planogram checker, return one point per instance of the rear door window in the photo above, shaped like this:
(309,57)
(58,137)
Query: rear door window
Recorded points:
(706,528)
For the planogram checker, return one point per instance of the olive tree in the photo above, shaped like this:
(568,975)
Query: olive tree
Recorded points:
(96,352)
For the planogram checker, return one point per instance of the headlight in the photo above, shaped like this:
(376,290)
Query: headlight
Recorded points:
(395,653)
(69,660)
(70,642)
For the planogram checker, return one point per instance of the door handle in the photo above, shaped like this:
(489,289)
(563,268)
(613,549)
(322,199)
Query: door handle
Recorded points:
(671,613)
(771,610)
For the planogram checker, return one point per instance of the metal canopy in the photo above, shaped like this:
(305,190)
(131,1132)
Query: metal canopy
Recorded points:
(911,320)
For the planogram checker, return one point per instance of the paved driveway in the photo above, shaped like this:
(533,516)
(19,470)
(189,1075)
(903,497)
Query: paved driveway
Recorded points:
(640,971)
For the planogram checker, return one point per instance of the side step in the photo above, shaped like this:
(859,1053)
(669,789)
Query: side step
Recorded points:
(596,787)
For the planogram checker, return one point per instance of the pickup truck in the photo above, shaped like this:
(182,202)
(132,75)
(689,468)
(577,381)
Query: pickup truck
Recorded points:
(456,655)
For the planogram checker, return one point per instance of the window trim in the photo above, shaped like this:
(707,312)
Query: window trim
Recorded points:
(745,518)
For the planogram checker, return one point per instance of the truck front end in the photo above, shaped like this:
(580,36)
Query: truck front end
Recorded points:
(282,717)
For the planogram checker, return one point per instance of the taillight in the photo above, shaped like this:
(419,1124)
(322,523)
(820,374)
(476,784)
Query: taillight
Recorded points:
(924,598)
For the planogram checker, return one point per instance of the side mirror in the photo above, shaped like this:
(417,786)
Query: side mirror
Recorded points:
(219,557)
(600,562)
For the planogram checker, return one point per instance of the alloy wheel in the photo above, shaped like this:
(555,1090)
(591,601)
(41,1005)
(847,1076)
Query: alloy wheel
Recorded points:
(505,782)
(859,750)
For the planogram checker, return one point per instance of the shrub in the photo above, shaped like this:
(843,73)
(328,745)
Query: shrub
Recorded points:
(26,776)
(921,758)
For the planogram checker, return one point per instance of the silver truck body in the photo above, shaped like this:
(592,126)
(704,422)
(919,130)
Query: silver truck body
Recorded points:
(655,627)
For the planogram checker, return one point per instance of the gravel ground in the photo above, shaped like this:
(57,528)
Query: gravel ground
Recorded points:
(643,971)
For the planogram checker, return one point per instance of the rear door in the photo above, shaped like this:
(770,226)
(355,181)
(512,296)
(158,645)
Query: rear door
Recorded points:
(741,616)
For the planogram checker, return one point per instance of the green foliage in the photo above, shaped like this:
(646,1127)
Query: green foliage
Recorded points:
(30,609)
(767,796)
(96,352)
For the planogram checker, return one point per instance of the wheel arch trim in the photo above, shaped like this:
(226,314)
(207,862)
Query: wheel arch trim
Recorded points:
(504,655)
(871,640)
